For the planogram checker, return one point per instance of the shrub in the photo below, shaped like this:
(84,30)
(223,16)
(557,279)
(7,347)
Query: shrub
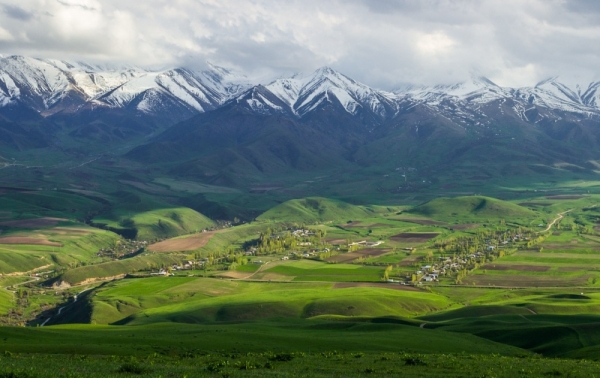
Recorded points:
(414,361)
(131,368)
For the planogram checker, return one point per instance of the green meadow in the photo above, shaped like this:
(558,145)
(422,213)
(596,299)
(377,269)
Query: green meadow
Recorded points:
(516,288)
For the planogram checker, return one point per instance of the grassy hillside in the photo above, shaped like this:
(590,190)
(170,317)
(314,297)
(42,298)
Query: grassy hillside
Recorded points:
(206,300)
(160,223)
(118,267)
(28,244)
(468,207)
(315,209)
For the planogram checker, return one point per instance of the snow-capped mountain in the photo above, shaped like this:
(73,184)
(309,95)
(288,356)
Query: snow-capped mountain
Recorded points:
(60,87)
(477,89)
(300,95)
(51,86)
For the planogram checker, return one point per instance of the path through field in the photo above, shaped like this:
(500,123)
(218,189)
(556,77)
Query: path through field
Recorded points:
(560,216)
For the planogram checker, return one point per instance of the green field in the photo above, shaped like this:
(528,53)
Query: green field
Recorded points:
(537,299)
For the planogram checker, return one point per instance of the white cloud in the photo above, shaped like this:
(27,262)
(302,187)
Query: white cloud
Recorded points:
(5,35)
(382,43)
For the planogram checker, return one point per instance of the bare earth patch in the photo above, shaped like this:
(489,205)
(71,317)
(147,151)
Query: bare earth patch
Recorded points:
(410,260)
(33,223)
(274,277)
(524,281)
(535,204)
(351,224)
(351,256)
(236,275)
(414,237)
(569,246)
(69,231)
(522,268)
(573,268)
(27,240)
(465,226)
(566,197)
(335,241)
(392,286)
(364,225)
(184,244)
(424,222)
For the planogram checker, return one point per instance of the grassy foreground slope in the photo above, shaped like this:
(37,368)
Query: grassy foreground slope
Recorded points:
(207,300)
(470,207)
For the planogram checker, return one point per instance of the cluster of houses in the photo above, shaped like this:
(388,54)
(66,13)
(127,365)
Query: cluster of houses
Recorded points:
(187,265)
(124,248)
(302,232)
(431,273)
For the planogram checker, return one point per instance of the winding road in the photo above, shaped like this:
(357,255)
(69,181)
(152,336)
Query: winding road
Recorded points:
(61,308)
(560,216)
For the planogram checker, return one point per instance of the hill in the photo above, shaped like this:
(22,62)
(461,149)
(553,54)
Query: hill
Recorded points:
(471,207)
(160,223)
(314,209)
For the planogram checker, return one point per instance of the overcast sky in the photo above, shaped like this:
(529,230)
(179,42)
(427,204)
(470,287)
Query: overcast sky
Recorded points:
(383,43)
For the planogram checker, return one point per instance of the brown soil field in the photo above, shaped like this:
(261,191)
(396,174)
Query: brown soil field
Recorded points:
(350,256)
(33,223)
(466,226)
(541,204)
(507,280)
(273,277)
(572,268)
(27,240)
(69,231)
(373,252)
(184,244)
(364,225)
(414,237)
(410,261)
(522,268)
(236,275)
(566,197)
(335,241)
(571,245)
(392,286)
(344,257)
(424,222)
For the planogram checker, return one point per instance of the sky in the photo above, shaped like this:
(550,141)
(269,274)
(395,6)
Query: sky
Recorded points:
(383,43)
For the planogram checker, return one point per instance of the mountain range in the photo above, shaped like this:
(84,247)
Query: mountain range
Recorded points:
(219,126)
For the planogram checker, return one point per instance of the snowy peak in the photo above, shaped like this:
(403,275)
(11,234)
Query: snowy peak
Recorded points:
(324,86)
(261,100)
(478,89)
(51,86)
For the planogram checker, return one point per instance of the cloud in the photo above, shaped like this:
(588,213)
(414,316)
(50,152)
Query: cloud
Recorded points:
(16,12)
(381,43)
